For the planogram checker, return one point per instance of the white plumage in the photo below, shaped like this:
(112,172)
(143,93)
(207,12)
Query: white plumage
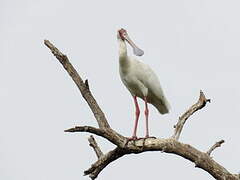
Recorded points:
(140,80)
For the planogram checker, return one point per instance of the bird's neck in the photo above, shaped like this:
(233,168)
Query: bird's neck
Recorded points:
(123,58)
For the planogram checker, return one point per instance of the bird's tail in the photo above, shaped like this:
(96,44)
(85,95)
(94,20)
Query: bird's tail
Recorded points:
(163,107)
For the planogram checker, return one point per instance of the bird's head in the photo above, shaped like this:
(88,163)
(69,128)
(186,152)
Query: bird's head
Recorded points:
(122,35)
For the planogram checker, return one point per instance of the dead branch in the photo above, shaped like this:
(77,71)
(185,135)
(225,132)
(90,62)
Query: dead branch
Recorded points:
(171,145)
(103,161)
(108,134)
(217,144)
(94,145)
(83,87)
(200,159)
(199,105)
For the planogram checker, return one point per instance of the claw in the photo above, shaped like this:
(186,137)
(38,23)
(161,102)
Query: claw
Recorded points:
(133,138)
(146,137)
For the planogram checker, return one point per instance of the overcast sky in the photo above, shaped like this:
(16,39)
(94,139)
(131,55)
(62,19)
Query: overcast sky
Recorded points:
(191,45)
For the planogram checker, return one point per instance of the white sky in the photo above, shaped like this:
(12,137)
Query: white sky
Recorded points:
(191,45)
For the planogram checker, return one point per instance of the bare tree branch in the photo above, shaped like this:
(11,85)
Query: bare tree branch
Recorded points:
(84,89)
(108,134)
(171,145)
(217,144)
(94,145)
(90,129)
(199,105)
(200,159)
(103,161)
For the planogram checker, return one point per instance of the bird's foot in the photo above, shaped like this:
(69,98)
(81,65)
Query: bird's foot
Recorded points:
(133,138)
(147,136)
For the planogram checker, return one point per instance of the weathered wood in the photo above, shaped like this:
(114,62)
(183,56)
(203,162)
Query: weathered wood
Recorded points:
(94,145)
(217,144)
(182,119)
(83,87)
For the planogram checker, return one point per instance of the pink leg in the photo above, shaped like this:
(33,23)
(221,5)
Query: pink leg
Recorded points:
(146,115)
(134,136)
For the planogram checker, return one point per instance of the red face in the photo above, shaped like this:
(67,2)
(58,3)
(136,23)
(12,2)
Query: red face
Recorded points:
(124,36)
(122,33)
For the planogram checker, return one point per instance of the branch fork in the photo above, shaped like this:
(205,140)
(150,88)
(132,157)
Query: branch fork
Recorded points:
(123,147)
(216,145)
(94,145)
(202,101)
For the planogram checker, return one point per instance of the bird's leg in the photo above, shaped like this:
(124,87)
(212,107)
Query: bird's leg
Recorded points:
(137,113)
(146,116)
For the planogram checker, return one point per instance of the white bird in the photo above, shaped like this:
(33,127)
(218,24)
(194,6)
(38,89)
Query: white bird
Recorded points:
(140,80)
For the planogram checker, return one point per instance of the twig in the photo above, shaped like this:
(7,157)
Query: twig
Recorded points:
(108,134)
(84,89)
(217,144)
(199,105)
(94,145)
